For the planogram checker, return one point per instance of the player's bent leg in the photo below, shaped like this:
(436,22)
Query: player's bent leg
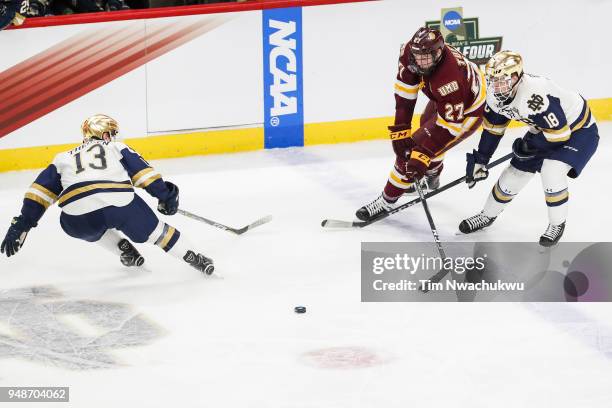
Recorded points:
(110,241)
(395,187)
(169,239)
(181,249)
(140,224)
(554,182)
(509,184)
(431,181)
(128,255)
(89,227)
(94,227)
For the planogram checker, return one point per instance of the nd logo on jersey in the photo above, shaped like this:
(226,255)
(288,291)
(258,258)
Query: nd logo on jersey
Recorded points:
(282,61)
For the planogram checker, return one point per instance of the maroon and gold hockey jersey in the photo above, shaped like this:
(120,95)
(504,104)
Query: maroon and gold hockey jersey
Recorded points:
(456,86)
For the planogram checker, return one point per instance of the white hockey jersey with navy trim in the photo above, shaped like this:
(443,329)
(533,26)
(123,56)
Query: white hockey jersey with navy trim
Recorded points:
(544,106)
(92,176)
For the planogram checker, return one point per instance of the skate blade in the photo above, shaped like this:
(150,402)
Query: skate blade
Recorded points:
(470,234)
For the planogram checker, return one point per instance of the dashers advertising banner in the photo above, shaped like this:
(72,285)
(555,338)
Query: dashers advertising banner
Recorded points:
(282,77)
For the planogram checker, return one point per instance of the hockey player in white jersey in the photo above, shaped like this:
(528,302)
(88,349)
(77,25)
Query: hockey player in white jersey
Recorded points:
(93,184)
(561,139)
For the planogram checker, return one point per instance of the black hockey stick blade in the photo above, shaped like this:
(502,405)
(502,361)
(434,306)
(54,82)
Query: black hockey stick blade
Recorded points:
(360,224)
(237,231)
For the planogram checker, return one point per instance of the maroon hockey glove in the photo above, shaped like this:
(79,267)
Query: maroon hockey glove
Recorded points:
(417,165)
(401,140)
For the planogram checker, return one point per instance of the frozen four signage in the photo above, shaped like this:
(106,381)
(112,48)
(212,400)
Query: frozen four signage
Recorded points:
(463,34)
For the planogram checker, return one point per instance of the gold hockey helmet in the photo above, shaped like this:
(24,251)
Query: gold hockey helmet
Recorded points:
(499,73)
(101,127)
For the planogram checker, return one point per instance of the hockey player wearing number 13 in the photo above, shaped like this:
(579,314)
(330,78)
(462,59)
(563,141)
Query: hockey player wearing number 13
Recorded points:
(94,184)
(456,90)
(561,139)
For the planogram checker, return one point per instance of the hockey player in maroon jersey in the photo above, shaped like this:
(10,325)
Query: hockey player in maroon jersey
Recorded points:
(456,90)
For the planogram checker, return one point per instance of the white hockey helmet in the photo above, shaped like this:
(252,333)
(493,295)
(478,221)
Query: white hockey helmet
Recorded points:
(503,71)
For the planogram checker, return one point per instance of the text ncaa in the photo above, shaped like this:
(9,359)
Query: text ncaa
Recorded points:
(283,89)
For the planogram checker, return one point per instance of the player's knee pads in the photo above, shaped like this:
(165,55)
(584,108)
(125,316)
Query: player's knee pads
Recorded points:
(554,182)
(164,236)
(512,180)
(509,184)
(554,174)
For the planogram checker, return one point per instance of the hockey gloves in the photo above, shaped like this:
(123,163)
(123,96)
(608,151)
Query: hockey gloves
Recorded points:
(522,148)
(476,168)
(15,236)
(417,165)
(170,205)
(401,140)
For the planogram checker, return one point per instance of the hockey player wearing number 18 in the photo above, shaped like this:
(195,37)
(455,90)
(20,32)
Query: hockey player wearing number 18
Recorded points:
(561,139)
(94,184)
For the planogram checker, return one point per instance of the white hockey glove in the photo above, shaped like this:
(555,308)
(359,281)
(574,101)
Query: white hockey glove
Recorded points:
(476,168)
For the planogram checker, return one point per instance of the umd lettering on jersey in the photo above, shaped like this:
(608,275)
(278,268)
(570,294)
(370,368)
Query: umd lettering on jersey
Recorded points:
(284,78)
(449,88)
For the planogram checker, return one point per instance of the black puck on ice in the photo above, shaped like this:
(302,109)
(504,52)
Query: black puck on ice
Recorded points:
(299,309)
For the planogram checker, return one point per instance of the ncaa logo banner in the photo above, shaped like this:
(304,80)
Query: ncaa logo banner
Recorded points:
(283,90)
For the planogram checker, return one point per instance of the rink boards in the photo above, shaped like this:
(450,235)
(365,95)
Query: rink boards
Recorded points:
(183,85)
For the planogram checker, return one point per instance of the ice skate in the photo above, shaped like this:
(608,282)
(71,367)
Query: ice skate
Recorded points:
(129,255)
(200,262)
(376,207)
(428,184)
(475,223)
(552,235)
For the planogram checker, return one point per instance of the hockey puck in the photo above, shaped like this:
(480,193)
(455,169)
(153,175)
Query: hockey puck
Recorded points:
(299,309)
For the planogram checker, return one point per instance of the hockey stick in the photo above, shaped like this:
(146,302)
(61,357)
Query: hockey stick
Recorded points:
(442,273)
(237,231)
(382,216)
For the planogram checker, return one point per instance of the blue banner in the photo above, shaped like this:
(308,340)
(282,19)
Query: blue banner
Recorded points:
(283,90)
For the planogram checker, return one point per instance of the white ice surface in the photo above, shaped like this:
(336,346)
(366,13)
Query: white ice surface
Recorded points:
(236,342)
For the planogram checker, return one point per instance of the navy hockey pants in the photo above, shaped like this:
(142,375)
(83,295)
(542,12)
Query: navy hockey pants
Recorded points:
(136,220)
(576,152)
